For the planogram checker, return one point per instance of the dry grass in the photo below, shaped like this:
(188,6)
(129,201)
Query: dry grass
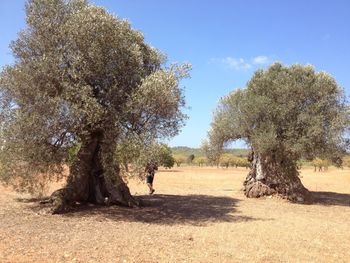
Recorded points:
(196,215)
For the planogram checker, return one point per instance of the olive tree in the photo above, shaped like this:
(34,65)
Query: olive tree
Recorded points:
(82,76)
(179,159)
(284,114)
(164,156)
(200,161)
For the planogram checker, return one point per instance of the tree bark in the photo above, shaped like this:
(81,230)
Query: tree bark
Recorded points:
(94,177)
(269,176)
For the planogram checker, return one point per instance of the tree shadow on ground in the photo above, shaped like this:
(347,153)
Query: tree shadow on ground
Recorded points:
(331,198)
(168,210)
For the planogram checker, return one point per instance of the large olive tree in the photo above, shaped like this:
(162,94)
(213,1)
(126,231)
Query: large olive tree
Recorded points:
(284,114)
(82,76)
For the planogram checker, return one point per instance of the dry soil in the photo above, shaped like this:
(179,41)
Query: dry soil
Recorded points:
(195,215)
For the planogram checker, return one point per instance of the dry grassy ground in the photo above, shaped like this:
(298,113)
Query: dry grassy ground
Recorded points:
(196,215)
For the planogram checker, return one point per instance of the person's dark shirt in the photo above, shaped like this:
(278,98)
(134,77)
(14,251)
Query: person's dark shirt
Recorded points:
(151,168)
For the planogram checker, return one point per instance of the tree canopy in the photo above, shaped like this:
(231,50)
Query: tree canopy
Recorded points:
(292,109)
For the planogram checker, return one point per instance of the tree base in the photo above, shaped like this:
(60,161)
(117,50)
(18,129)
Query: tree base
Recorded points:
(270,177)
(62,202)
(258,189)
(94,177)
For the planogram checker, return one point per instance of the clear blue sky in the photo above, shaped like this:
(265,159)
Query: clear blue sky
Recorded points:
(225,41)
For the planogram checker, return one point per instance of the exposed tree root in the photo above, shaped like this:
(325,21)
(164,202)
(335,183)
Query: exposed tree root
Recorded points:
(271,177)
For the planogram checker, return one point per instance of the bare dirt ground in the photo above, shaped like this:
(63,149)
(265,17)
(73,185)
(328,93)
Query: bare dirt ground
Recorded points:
(196,215)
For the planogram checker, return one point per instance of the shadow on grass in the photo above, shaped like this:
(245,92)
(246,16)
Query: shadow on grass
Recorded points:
(170,210)
(331,198)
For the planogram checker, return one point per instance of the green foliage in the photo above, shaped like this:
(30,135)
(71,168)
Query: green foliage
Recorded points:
(186,151)
(240,162)
(212,153)
(227,160)
(165,157)
(200,161)
(72,153)
(179,159)
(79,70)
(139,155)
(284,112)
(321,164)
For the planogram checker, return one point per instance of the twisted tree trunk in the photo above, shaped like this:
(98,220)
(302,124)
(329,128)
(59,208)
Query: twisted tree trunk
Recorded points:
(269,176)
(94,177)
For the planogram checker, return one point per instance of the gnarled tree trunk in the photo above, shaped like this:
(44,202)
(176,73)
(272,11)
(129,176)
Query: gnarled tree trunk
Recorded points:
(94,177)
(269,176)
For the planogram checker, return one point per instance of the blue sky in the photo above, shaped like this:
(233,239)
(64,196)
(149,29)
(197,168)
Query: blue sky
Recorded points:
(225,41)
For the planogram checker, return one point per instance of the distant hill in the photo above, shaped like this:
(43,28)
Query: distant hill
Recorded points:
(186,151)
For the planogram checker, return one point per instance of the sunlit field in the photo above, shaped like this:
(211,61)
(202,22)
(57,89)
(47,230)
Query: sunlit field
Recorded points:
(195,215)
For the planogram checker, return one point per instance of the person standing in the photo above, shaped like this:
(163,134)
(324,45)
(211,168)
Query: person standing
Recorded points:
(150,171)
